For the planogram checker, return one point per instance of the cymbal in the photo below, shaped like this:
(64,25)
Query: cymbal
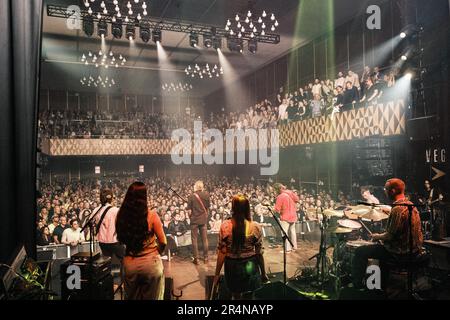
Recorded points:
(333,213)
(350,215)
(340,230)
(360,209)
(375,215)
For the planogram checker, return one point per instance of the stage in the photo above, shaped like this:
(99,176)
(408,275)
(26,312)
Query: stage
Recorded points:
(190,278)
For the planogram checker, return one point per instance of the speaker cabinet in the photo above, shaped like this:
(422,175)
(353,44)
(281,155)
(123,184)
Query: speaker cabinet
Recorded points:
(421,129)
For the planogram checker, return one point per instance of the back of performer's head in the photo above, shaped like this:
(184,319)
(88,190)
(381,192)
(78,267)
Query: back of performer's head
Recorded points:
(198,186)
(131,224)
(394,187)
(240,207)
(106,196)
(278,187)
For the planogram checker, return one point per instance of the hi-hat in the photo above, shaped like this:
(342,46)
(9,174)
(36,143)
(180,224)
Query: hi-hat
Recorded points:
(333,213)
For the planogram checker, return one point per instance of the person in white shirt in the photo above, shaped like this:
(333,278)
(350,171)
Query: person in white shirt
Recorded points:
(282,113)
(54,224)
(73,235)
(368,196)
(317,88)
(105,221)
(353,78)
(340,81)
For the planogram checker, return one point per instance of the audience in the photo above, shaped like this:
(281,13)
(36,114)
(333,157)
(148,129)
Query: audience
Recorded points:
(72,196)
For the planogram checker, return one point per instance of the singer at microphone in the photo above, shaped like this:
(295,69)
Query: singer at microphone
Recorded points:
(285,205)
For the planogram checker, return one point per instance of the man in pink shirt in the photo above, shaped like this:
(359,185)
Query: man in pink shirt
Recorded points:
(105,220)
(285,205)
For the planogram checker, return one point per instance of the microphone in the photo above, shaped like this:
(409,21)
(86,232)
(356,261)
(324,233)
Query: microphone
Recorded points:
(366,203)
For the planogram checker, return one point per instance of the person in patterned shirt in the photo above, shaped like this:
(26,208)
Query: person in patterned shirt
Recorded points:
(395,241)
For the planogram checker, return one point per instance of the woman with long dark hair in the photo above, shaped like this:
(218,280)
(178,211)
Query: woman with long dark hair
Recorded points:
(240,248)
(141,230)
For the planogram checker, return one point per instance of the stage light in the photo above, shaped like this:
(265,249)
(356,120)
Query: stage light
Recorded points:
(102,27)
(117,29)
(207,41)
(157,36)
(403,35)
(193,39)
(145,32)
(217,42)
(404,57)
(252,45)
(131,32)
(88,26)
(409,75)
(236,45)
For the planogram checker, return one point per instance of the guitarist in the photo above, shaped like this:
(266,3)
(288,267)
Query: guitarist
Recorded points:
(198,204)
(433,197)
(105,220)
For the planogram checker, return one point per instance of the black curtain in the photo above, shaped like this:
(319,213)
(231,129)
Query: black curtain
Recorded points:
(20,43)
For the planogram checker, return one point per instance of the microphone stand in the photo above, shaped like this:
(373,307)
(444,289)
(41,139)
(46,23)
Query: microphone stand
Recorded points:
(176,193)
(285,238)
(91,224)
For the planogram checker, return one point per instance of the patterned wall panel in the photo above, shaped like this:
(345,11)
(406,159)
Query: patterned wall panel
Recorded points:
(100,147)
(383,119)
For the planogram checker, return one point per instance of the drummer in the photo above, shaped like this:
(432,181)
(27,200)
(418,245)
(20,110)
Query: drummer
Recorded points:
(395,241)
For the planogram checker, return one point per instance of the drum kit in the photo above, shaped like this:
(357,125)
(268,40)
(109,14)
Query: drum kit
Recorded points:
(347,228)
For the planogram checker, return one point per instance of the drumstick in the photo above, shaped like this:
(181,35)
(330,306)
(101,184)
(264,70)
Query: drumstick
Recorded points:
(365,227)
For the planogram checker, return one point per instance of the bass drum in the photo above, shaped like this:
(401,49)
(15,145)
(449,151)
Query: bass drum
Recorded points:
(348,253)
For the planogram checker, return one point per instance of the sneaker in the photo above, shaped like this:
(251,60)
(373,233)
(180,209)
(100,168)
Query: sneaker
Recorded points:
(287,251)
(195,261)
(165,257)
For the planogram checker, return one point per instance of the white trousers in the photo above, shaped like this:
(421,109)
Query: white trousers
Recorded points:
(289,228)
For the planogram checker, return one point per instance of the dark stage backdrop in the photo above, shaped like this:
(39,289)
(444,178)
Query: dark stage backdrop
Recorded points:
(20,25)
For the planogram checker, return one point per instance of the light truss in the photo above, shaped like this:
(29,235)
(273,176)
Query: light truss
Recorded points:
(166,24)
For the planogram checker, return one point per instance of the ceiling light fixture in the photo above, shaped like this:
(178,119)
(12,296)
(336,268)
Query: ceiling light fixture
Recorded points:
(205,71)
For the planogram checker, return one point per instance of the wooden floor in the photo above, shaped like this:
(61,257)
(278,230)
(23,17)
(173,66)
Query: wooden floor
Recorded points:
(190,278)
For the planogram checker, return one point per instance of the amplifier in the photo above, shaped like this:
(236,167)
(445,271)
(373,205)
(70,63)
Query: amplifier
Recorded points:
(440,253)
(99,277)
(85,256)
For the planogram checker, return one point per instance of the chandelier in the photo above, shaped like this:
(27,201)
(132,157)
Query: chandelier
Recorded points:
(250,25)
(172,87)
(204,72)
(103,60)
(128,10)
(102,82)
